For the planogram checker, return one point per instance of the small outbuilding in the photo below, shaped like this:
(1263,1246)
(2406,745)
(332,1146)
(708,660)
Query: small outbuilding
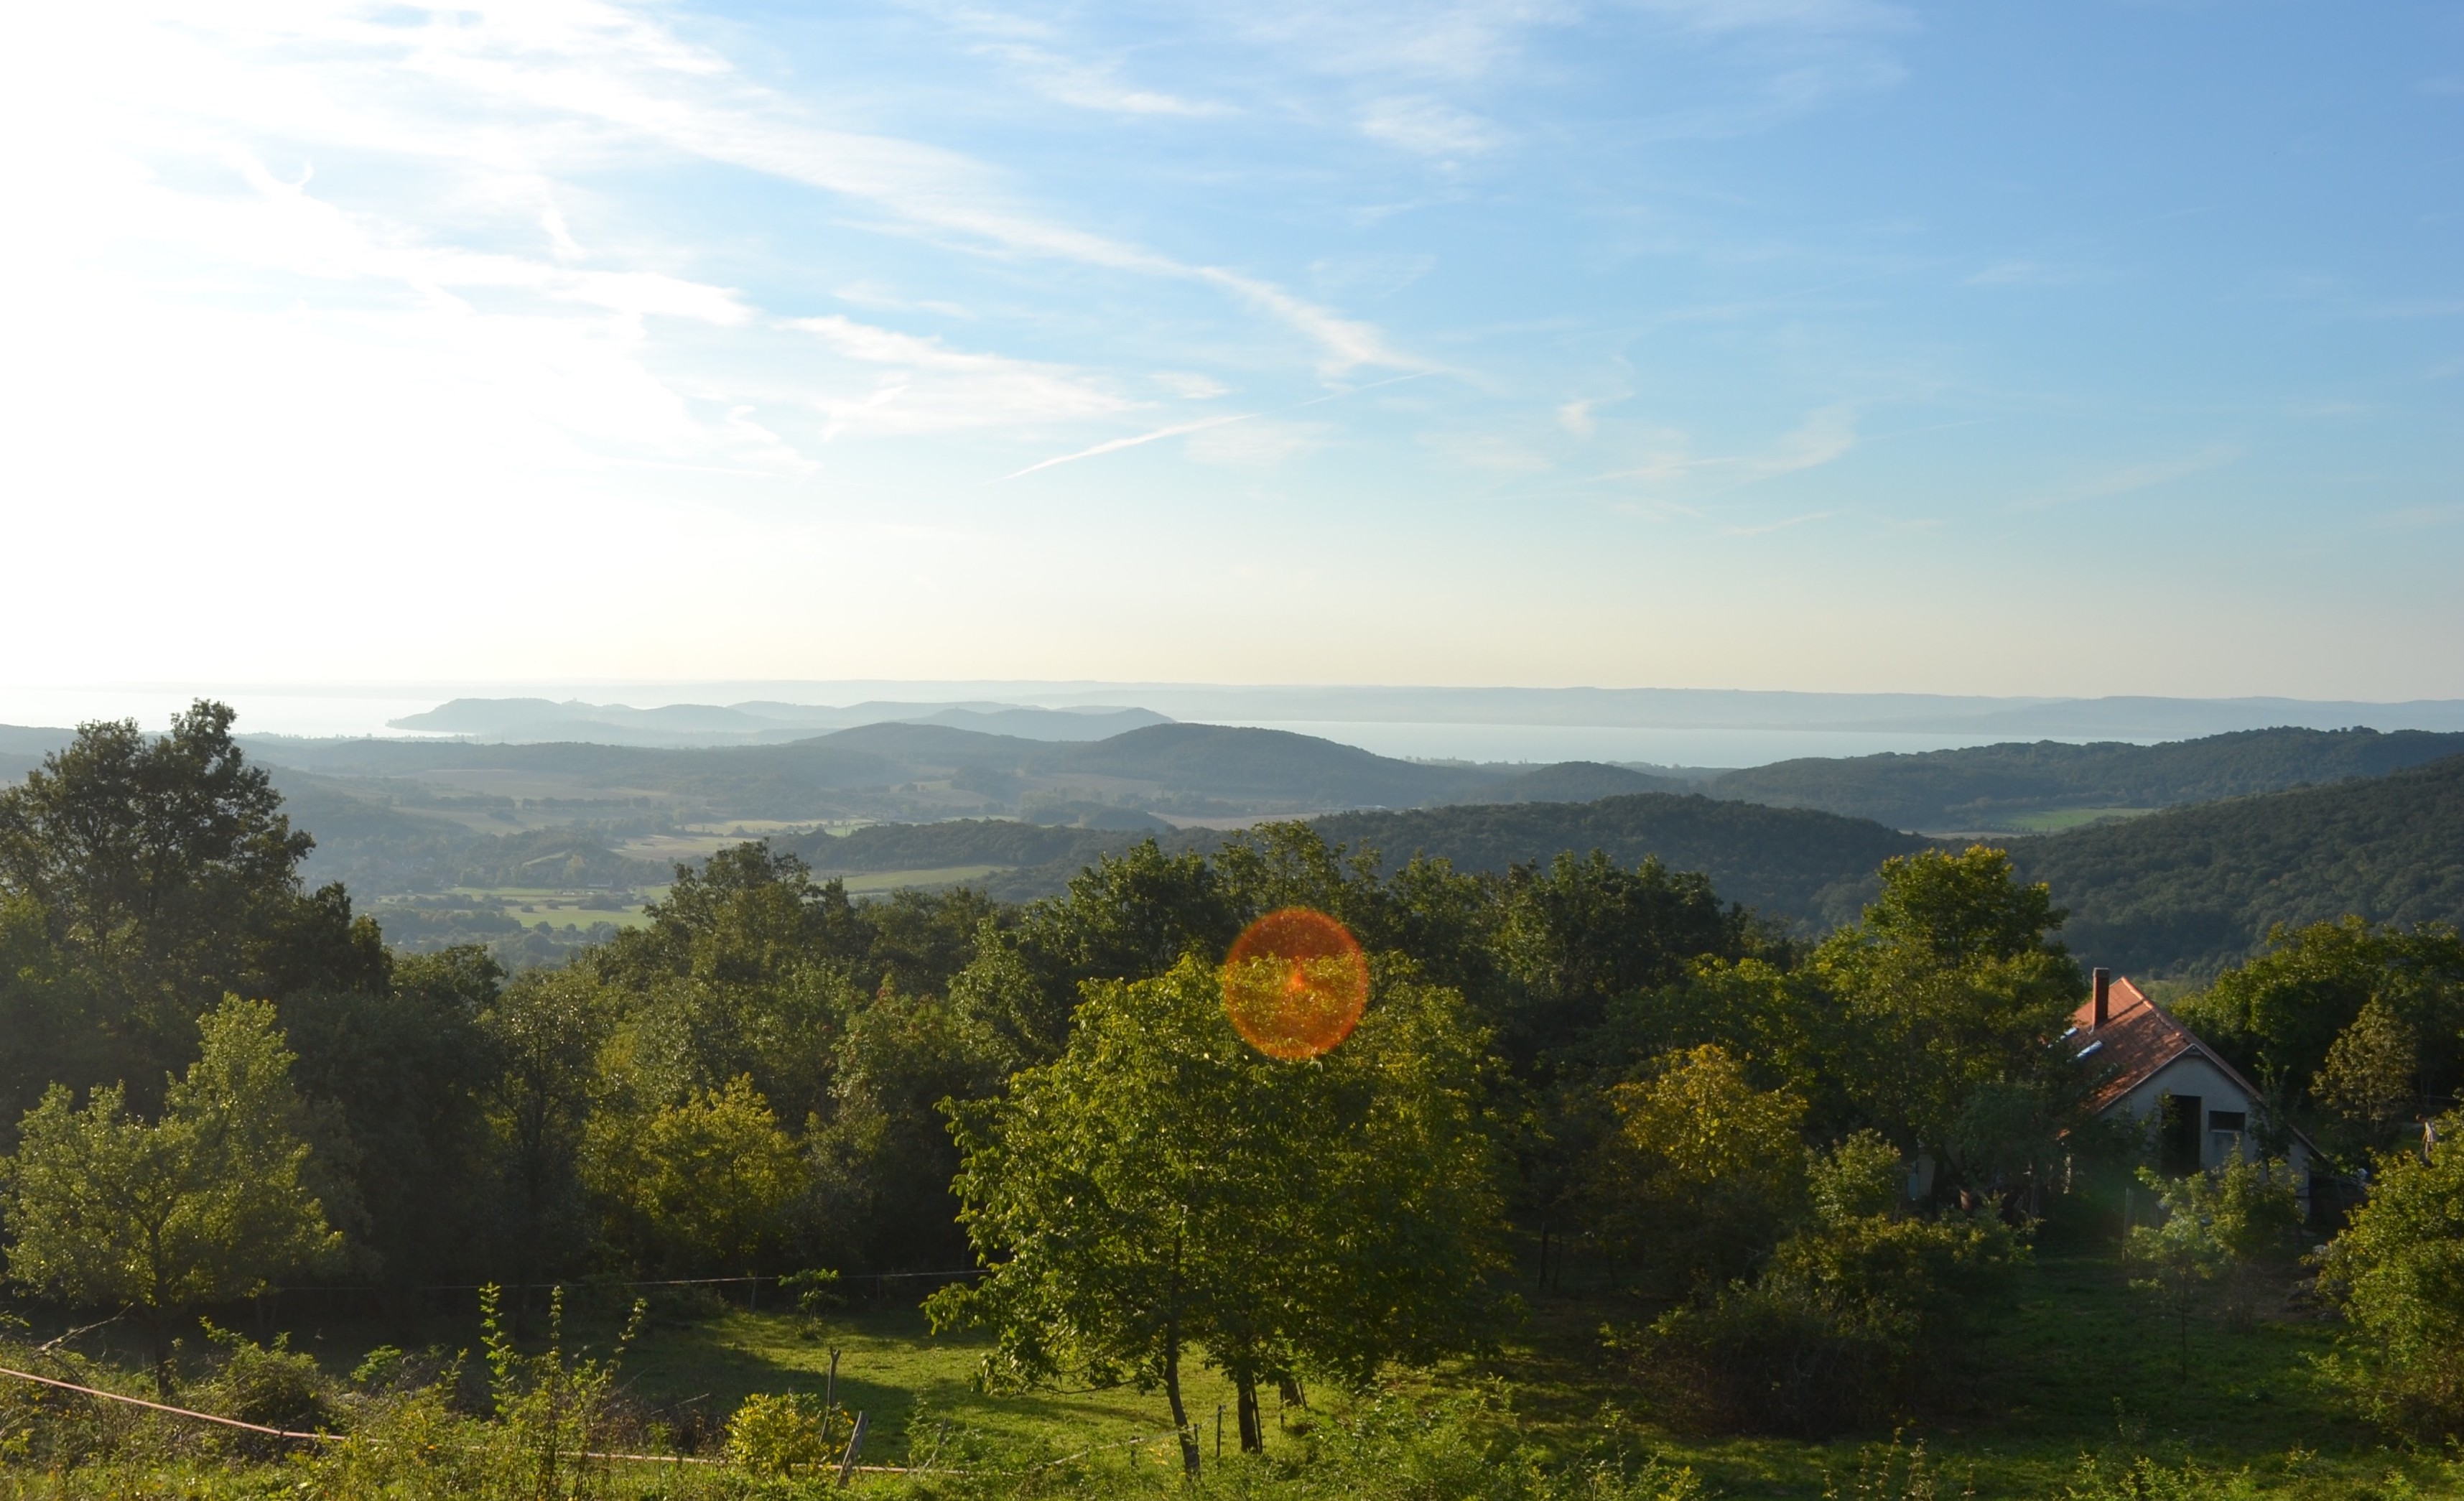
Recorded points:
(2157,1070)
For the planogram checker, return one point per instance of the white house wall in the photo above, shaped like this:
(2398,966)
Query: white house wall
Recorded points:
(2194,1073)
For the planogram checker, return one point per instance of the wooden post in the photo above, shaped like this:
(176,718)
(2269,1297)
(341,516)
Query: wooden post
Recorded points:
(1219,1430)
(855,1443)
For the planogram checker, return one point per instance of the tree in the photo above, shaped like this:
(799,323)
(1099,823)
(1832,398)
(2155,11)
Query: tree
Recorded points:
(1584,933)
(2370,1073)
(1162,1187)
(1951,983)
(1703,1173)
(400,1083)
(2281,1014)
(206,1206)
(2221,1230)
(141,877)
(546,1030)
(2398,1272)
(702,1184)
(883,1159)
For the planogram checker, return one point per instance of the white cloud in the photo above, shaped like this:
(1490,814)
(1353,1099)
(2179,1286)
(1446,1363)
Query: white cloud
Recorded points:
(1094,86)
(925,386)
(1263,444)
(2129,478)
(1427,126)
(1189,386)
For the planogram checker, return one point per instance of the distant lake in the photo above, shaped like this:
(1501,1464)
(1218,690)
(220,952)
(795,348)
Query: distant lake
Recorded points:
(1663,748)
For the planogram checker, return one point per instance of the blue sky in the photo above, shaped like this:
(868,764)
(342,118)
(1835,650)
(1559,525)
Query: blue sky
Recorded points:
(1772,344)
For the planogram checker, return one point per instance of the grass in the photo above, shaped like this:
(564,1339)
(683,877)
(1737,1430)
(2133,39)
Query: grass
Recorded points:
(2079,1369)
(876,883)
(2054,820)
(536,904)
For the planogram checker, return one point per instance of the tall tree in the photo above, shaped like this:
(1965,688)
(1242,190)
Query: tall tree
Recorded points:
(547,1029)
(141,877)
(204,1206)
(1953,981)
(1161,1186)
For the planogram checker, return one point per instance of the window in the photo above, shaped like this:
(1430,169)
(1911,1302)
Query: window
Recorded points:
(2228,1120)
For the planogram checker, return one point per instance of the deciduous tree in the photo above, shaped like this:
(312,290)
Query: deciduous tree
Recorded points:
(206,1206)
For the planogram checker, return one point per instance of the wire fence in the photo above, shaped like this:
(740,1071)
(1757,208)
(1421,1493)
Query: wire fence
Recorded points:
(845,1467)
(342,1300)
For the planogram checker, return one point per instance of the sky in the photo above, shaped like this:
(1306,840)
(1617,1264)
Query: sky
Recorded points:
(1819,345)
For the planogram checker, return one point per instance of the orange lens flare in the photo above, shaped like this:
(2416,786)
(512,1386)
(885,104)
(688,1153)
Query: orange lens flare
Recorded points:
(1295,984)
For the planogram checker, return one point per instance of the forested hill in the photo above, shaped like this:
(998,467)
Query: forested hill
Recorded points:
(2194,889)
(2182,891)
(1806,868)
(2012,787)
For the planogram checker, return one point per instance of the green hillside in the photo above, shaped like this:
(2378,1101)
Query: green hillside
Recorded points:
(1808,867)
(2192,889)
(1998,788)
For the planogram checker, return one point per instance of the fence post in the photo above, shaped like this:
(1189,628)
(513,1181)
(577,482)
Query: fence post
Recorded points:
(855,1442)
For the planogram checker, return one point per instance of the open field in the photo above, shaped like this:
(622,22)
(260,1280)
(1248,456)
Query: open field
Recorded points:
(877,883)
(531,905)
(699,842)
(2053,820)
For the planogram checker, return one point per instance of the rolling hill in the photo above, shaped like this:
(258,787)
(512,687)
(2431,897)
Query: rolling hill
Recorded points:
(2189,890)
(2009,787)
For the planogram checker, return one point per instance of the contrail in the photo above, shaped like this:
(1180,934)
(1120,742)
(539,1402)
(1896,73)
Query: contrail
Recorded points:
(1130,443)
(1198,427)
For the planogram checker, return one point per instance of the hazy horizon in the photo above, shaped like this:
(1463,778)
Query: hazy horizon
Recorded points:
(1660,727)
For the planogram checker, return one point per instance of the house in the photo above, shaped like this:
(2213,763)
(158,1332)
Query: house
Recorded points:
(2203,1112)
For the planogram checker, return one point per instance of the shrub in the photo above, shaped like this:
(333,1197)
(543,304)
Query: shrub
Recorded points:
(2398,1272)
(777,1435)
(1846,1323)
(271,1385)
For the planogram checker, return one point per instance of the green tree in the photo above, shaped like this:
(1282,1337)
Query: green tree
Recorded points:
(1951,983)
(1586,932)
(2370,1073)
(2221,1233)
(1162,1187)
(2279,1015)
(703,1184)
(1702,1174)
(400,1082)
(141,877)
(206,1206)
(546,1030)
(2397,1271)
(884,1159)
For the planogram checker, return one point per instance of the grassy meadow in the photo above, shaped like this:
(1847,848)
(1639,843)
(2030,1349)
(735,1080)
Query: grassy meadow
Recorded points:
(2081,1373)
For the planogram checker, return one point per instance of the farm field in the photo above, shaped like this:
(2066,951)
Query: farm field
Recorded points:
(536,904)
(2054,820)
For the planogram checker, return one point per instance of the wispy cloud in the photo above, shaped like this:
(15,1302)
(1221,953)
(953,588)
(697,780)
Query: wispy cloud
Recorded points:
(1766,528)
(925,386)
(2131,478)
(1429,127)
(1116,445)
(1095,86)
(2028,271)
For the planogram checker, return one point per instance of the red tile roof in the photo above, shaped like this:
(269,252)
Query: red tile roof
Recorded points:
(2138,1038)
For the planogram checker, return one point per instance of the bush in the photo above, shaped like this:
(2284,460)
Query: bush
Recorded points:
(777,1435)
(2398,1272)
(273,1387)
(1846,1325)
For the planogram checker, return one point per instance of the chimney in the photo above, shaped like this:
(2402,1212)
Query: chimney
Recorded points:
(2102,979)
